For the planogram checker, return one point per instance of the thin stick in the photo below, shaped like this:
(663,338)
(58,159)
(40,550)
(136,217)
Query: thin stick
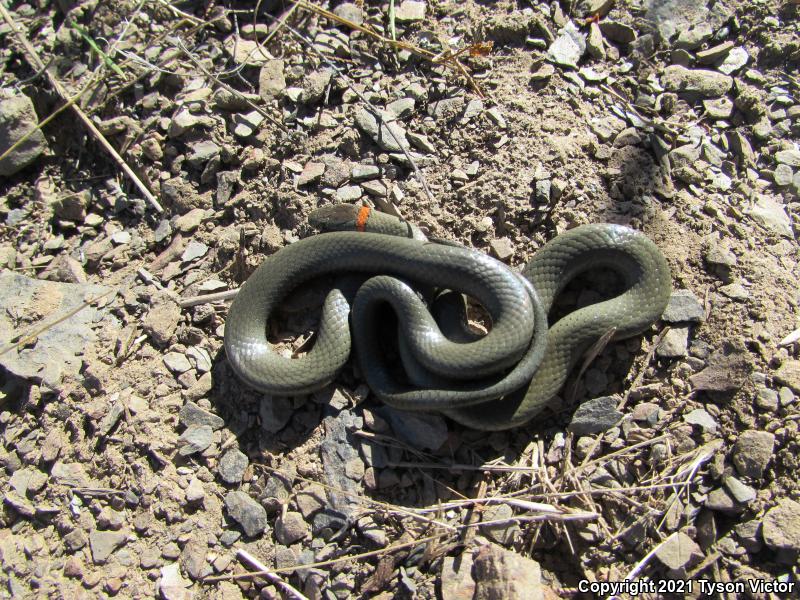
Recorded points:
(207,298)
(462,467)
(326,563)
(267,574)
(37,63)
(522,504)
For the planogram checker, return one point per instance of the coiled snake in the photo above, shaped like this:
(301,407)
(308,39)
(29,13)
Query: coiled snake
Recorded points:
(496,381)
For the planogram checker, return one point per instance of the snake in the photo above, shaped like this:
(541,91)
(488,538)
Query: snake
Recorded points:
(379,264)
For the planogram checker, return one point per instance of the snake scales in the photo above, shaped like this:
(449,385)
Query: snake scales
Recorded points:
(492,382)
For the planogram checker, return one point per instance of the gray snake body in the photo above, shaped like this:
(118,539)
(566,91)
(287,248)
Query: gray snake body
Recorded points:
(481,382)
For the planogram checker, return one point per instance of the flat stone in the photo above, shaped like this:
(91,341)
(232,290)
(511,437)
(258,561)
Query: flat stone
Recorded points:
(190,221)
(271,80)
(184,121)
(606,128)
(735,291)
(783,175)
(696,81)
(103,544)
(290,528)
(501,574)
(246,52)
(473,109)
(171,585)
(232,465)
(401,108)
(771,216)
(275,412)
(502,249)
(789,157)
(789,374)
(195,439)
(409,11)
(678,550)
(736,59)
(195,492)
(720,500)
(675,343)
(421,142)
(752,453)
(701,418)
(568,47)
(18,119)
(727,370)
(544,72)
(314,86)
(595,416)
(741,147)
(646,411)
(694,37)
(446,109)
(420,430)
(617,32)
(590,8)
(177,362)
(27,303)
(767,399)
(191,414)
(504,532)
(201,152)
(683,306)
(193,251)
(719,108)
(456,577)
(247,512)
(714,53)
(349,193)
(671,17)
(363,172)
(350,11)
(312,172)
(594,42)
(381,135)
(741,492)
(781,526)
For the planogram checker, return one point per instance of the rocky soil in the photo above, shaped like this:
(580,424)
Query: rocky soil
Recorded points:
(197,138)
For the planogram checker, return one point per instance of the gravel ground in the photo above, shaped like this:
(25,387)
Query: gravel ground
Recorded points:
(196,140)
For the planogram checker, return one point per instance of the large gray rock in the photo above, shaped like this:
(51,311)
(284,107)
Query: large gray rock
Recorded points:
(672,17)
(501,574)
(388,135)
(701,82)
(58,350)
(684,306)
(18,118)
(752,452)
(568,47)
(594,416)
(247,512)
(678,550)
(781,526)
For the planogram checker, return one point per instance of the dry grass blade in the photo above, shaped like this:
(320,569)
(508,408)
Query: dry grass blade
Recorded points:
(245,556)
